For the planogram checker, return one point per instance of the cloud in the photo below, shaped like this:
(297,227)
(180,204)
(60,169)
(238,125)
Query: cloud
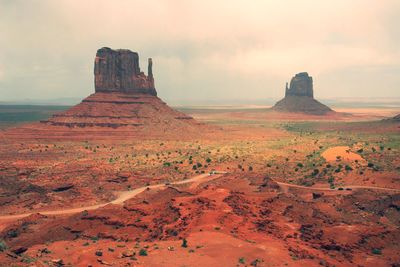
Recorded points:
(203,49)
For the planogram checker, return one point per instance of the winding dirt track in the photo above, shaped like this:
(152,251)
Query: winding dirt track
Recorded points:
(344,187)
(125,195)
(122,197)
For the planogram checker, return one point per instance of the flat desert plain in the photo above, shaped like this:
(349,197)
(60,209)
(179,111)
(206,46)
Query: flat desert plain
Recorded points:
(254,188)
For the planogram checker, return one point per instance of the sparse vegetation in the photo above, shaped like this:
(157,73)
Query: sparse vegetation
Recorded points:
(3,245)
(184,243)
(143,252)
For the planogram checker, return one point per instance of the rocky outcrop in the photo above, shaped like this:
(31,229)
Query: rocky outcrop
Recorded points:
(119,71)
(299,97)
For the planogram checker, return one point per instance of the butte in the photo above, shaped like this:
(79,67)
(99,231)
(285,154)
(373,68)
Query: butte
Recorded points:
(299,97)
(125,103)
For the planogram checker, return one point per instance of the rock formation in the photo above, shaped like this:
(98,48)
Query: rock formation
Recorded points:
(124,98)
(393,119)
(299,97)
(119,71)
(396,118)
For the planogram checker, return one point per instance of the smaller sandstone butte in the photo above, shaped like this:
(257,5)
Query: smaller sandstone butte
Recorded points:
(299,97)
(119,71)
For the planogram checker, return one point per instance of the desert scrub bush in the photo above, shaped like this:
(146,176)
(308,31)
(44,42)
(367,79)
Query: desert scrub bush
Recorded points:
(314,172)
(27,259)
(348,168)
(300,165)
(3,245)
(339,168)
(376,251)
(143,252)
(184,243)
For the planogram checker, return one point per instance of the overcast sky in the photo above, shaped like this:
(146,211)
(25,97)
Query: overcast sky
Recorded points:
(203,49)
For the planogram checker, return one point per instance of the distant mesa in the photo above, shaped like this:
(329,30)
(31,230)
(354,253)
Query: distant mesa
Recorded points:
(299,97)
(393,119)
(396,118)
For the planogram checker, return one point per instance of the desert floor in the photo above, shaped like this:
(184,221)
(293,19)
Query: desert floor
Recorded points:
(258,189)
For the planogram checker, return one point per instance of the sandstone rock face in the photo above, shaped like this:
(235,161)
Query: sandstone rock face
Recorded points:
(119,71)
(299,97)
(300,85)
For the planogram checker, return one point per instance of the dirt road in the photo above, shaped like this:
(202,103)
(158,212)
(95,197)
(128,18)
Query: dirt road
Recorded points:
(347,187)
(122,197)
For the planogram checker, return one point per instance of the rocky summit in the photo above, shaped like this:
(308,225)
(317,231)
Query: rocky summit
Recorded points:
(299,97)
(119,71)
(300,85)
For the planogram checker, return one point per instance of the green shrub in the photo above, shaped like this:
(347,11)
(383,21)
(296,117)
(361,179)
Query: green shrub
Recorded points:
(143,252)
(315,172)
(184,243)
(348,168)
(376,251)
(3,245)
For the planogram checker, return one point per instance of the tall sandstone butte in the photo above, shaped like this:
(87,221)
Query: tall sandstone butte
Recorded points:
(124,98)
(119,71)
(299,97)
